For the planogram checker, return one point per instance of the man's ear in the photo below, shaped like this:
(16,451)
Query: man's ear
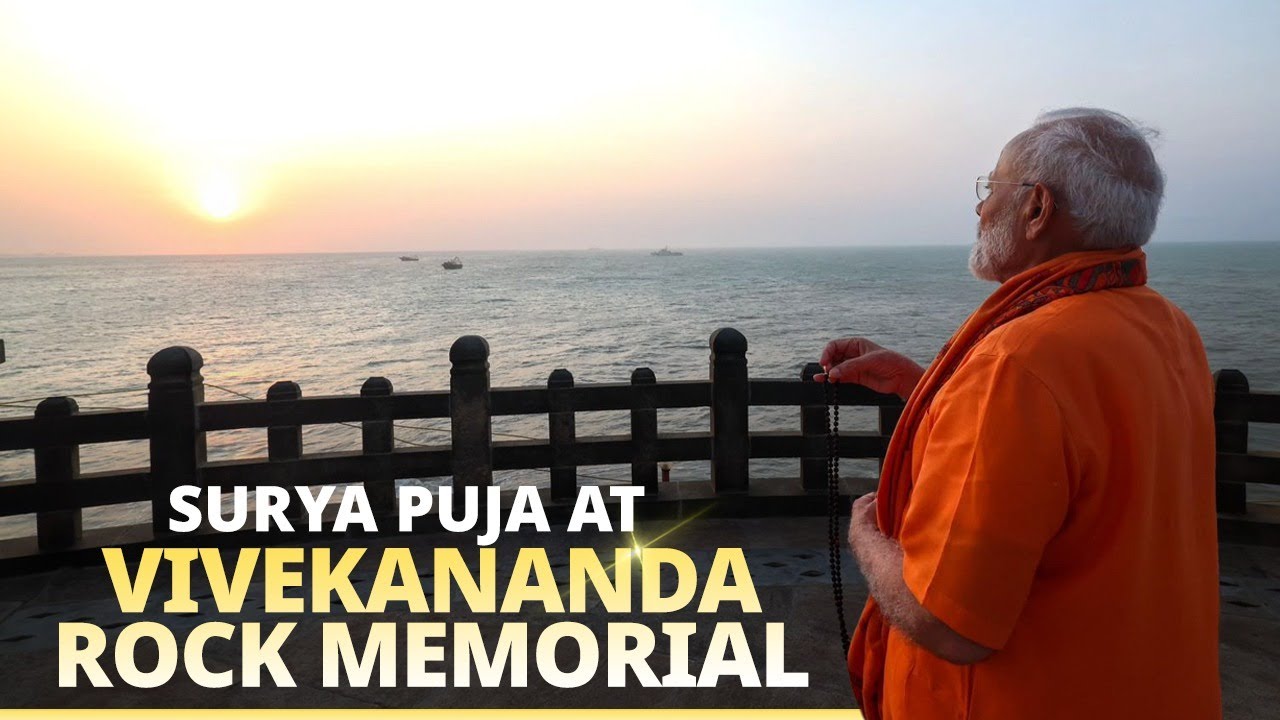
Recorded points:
(1038,211)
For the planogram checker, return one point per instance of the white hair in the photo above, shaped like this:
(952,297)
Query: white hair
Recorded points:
(1099,165)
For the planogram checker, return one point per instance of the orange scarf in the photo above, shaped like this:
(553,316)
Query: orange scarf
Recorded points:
(1063,276)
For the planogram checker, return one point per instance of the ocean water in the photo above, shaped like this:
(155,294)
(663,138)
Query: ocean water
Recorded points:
(85,327)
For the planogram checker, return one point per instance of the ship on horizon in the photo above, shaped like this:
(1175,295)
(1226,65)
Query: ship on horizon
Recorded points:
(665,252)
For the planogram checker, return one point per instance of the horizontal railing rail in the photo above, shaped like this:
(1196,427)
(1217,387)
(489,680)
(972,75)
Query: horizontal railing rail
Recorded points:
(177,419)
(1250,406)
(102,426)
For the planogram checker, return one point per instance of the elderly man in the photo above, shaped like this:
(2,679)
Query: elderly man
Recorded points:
(1043,542)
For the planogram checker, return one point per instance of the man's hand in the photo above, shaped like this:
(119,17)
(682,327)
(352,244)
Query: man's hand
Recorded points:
(859,361)
(863,528)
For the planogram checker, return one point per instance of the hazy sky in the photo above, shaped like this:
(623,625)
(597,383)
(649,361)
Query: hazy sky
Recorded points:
(168,127)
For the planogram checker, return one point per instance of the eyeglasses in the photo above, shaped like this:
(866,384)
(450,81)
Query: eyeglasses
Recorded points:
(985,182)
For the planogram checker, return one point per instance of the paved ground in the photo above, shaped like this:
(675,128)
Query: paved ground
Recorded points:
(788,562)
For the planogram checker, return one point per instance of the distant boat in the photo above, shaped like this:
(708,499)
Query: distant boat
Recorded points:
(665,252)
(454,264)
(408,258)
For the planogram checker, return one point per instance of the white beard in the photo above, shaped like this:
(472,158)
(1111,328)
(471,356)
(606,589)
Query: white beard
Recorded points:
(993,254)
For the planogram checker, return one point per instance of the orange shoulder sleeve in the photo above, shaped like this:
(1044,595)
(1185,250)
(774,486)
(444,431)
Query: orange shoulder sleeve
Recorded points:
(992,488)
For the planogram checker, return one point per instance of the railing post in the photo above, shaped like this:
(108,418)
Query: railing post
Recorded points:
(562,430)
(469,412)
(56,467)
(813,425)
(284,439)
(377,437)
(1231,427)
(644,430)
(177,444)
(889,416)
(730,442)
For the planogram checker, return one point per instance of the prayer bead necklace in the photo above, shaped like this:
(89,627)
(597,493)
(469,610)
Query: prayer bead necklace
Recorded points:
(833,506)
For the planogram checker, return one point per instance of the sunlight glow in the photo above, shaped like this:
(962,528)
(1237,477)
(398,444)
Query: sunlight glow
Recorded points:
(274,85)
(219,197)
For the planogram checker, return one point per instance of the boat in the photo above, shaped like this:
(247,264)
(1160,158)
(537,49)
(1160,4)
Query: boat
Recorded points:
(665,252)
(408,258)
(454,264)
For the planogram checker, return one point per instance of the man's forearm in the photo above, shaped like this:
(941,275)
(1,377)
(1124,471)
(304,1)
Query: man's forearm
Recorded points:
(881,563)
(880,560)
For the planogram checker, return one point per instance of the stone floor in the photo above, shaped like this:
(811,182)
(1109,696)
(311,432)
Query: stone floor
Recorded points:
(789,566)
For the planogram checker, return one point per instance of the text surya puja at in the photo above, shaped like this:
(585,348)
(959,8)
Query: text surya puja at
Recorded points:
(319,580)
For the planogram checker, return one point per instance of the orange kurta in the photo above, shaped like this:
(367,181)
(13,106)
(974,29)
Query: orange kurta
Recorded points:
(1062,513)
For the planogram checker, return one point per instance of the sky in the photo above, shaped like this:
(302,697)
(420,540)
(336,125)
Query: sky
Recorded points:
(267,127)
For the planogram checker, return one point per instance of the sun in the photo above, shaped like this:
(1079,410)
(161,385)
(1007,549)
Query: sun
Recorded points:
(219,197)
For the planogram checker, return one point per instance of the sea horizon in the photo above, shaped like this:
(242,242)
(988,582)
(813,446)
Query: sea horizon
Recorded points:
(629,249)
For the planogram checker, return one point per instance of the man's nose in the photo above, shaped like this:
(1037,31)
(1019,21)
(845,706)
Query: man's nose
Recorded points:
(977,209)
